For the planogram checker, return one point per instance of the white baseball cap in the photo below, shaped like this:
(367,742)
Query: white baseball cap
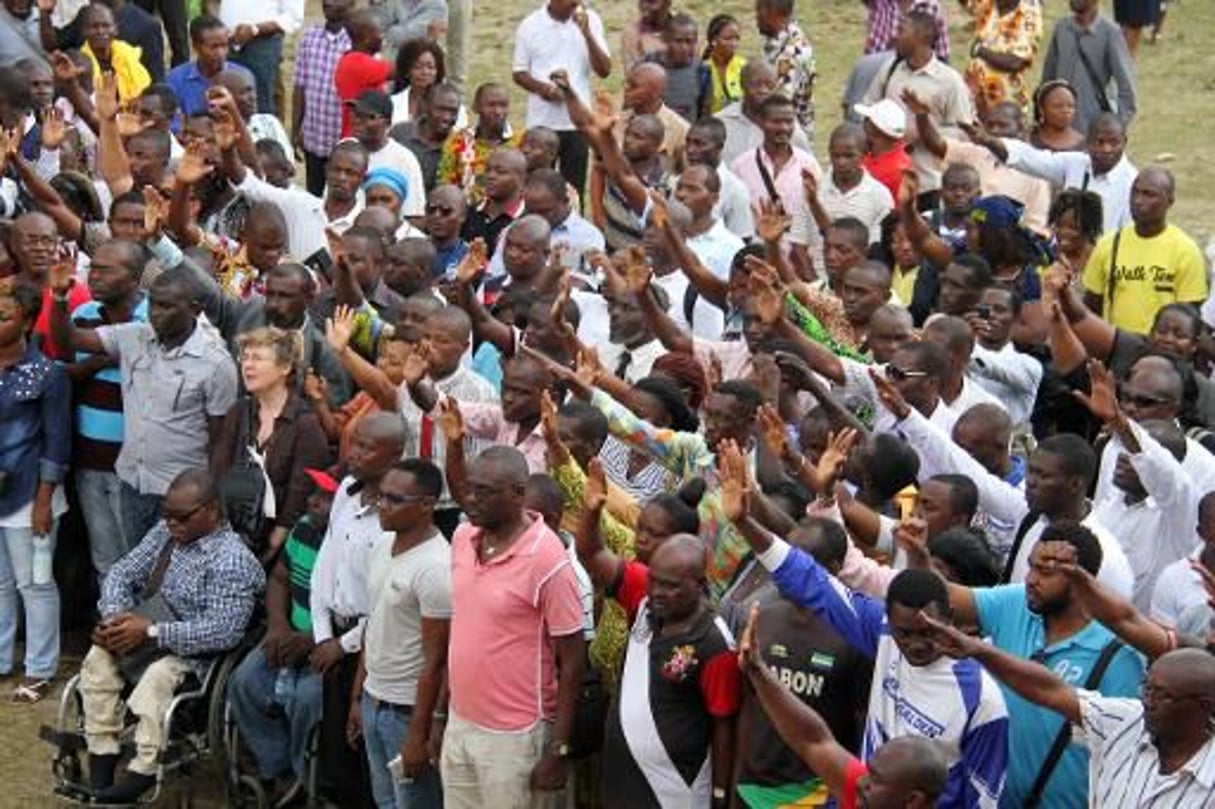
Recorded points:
(887,115)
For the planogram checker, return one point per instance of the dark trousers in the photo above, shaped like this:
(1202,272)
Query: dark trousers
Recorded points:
(572,159)
(314,170)
(175,16)
(139,513)
(344,777)
(263,56)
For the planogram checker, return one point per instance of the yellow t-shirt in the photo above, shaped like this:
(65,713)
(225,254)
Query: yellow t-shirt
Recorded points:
(1148,274)
(902,283)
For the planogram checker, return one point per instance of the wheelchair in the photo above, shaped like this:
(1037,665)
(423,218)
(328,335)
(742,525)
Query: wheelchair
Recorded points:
(195,726)
(245,790)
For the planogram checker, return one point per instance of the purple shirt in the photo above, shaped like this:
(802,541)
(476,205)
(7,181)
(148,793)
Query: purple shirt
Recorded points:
(316,61)
(884,19)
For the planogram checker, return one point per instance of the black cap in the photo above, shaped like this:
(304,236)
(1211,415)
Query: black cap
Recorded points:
(375,102)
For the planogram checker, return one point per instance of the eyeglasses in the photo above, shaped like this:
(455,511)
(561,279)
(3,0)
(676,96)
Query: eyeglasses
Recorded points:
(182,519)
(1142,401)
(388,498)
(34,240)
(440,210)
(896,374)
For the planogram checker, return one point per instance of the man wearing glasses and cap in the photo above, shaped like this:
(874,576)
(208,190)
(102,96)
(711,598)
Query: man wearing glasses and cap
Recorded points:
(371,117)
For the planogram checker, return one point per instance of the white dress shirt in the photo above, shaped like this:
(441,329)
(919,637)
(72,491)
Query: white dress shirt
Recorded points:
(641,358)
(1075,170)
(1198,463)
(708,322)
(1156,531)
(1010,376)
(1006,503)
(305,214)
(971,394)
(289,14)
(716,248)
(339,578)
(1178,590)
(734,204)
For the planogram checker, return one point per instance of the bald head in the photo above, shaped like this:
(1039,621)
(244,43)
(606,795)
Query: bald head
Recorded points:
(649,76)
(384,427)
(510,160)
(197,483)
(912,764)
(952,334)
(504,464)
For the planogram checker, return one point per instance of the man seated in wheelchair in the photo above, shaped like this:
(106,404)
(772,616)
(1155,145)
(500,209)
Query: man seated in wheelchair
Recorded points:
(182,596)
(275,694)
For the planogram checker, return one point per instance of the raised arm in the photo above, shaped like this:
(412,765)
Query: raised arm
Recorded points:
(930,137)
(113,164)
(1029,679)
(930,245)
(373,381)
(486,327)
(598,130)
(70,225)
(710,287)
(63,328)
(799,725)
(665,329)
(601,564)
(67,79)
(601,61)
(455,464)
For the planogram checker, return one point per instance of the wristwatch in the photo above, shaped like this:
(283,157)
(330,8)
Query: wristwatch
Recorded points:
(153,631)
(559,749)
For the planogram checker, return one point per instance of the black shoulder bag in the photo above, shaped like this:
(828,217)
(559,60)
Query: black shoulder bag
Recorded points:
(1103,100)
(242,489)
(1026,523)
(1064,737)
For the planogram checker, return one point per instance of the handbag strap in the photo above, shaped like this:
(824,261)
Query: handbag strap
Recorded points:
(764,175)
(1027,522)
(1064,736)
(1102,99)
(157,577)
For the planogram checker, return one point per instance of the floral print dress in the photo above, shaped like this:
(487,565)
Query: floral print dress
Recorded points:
(1016,33)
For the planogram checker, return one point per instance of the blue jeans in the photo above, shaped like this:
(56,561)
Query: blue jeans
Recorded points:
(100,495)
(263,56)
(41,602)
(276,733)
(139,513)
(385,728)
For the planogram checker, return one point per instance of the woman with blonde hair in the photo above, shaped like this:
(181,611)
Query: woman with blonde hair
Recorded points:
(269,437)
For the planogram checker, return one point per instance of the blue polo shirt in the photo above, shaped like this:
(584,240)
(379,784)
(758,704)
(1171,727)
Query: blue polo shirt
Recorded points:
(1005,618)
(190,86)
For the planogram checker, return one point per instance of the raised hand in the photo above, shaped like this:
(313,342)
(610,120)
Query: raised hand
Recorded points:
(796,372)
(66,71)
(316,389)
(224,128)
(450,420)
(46,7)
(548,419)
(976,132)
(638,273)
(589,368)
(769,298)
(766,375)
(471,266)
(128,120)
(193,166)
(54,129)
(749,655)
(911,535)
(155,211)
(340,328)
(914,104)
(949,639)
(772,431)
(771,221)
(62,273)
(220,98)
(582,19)
(889,395)
(105,96)
(417,363)
(1102,401)
(831,462)
(557,311)
(734,479)
(660,216)
(596,486)
(561,80)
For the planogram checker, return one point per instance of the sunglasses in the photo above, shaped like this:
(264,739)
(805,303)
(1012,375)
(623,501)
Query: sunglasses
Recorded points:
(1141,401)
(896,374)
(388,498)
(440,210)
(182,519)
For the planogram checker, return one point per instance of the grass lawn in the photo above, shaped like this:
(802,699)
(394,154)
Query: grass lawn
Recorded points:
(1176,83)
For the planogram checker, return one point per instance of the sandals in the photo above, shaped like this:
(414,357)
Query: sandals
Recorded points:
(31,691)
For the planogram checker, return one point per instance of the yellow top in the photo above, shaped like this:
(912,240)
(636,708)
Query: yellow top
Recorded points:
(726,88)
(131,75)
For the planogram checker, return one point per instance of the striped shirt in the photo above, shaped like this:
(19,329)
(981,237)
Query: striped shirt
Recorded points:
(98,437)
(316,61)
(300,551)
(1124,765)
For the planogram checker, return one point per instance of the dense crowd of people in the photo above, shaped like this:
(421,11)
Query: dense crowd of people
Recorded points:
(671,449)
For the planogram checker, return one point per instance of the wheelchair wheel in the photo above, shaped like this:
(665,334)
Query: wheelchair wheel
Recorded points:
(216,712)
(247,793)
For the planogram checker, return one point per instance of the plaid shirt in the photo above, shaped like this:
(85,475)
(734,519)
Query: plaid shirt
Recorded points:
(316,61)
(212,584)
(884,19)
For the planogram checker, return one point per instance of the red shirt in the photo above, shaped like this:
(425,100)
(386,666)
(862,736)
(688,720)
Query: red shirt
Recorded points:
(355,72)
(888,168)
(855,771)
(78,294)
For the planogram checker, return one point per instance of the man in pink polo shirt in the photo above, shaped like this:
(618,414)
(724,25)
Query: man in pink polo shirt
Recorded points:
(516,655)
